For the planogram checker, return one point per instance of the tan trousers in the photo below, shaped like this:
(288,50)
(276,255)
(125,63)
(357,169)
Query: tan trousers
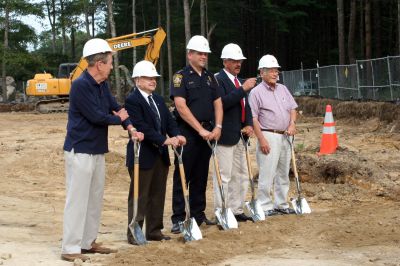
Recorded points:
(234,175)
(85,175)
(273,179)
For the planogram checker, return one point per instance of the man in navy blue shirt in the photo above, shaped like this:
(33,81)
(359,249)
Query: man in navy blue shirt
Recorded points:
(92,109)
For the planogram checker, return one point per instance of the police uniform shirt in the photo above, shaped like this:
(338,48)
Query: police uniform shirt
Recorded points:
(198,91)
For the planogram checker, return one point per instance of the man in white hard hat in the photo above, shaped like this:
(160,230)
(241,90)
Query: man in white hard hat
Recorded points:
(199,116)
(150,115)
(92,109)
(237,118)
(274,117)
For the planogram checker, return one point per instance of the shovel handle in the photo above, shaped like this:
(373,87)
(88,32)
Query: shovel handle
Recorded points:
(135,181)
(183,180)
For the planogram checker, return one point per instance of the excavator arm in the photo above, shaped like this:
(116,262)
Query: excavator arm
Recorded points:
(153,42)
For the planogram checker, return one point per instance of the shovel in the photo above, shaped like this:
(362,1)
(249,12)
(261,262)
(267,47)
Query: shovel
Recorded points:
(134,225)
(299,204)
(224,215)
(253,208)
(189,227)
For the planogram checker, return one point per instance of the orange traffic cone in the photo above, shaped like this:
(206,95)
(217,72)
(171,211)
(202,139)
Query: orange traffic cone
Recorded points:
(329,141)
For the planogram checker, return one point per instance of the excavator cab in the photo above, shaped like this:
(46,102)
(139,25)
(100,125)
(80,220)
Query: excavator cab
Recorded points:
(65,70)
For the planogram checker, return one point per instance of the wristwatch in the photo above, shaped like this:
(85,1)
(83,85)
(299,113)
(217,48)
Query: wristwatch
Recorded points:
(132,130)
(218,126)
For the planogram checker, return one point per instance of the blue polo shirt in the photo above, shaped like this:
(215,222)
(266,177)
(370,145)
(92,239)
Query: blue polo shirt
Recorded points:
(90,113)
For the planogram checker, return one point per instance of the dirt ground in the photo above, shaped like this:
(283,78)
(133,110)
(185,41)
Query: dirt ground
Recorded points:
(354,195)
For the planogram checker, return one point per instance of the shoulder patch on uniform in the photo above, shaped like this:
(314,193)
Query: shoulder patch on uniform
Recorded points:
(177,80)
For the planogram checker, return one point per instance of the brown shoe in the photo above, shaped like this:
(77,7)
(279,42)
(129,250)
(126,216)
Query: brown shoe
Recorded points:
(73,257)
(99,249)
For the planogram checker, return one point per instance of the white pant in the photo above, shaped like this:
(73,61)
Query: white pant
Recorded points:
(234,175)
(85,175)
(274,168)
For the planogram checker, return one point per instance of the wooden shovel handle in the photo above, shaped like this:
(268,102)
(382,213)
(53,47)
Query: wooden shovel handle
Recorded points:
(135,181)
(183,180)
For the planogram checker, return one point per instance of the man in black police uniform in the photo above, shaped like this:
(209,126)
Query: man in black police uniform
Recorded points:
(199,115)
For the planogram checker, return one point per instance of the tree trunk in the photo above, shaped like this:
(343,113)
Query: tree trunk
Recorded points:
(377,28)
(134,58)
(362,27)
(186,11)
(87,23)
(5,44)
(111,21)
(73,51)
(398,23)
(169,49)
(62,22)
(161,79)
(352,31)
(368,48)
(51,12)
(202,18)
(93,10)
(340,16)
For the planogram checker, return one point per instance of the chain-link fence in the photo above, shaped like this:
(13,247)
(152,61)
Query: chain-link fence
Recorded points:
(373,79)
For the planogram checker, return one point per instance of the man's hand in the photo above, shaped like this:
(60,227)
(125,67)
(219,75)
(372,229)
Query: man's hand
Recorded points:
(123,114)
(291,129)
(139,136)
(248,131)
(172,141)
(264,146)
(204,134)
(249,84)
(181,140)
(215,134)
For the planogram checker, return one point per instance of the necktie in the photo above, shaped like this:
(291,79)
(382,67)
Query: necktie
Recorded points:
(154,109)
(237,85)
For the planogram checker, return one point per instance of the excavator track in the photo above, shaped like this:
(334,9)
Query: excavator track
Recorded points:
(59,105)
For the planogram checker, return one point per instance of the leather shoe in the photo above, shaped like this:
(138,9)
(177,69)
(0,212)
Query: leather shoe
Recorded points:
(286,211)
(98,249)
(242,217)
(271,212)
(159,237)
(73,257)
(175,228)
(209,222)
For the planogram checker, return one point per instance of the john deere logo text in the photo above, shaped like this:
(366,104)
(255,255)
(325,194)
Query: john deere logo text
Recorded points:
(121,45)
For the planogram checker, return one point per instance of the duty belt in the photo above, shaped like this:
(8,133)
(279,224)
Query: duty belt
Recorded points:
(274,131)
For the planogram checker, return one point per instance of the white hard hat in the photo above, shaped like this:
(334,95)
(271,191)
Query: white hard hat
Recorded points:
(198,43)
(144,69)
(268,61)
(95,46)
(232,51)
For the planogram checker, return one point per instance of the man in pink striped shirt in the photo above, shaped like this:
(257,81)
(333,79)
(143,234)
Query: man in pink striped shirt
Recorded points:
(274,117)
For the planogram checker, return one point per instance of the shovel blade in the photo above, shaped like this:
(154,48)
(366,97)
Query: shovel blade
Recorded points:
(190,230)
(226,218)
(137,233)
(254,210)
(300,206)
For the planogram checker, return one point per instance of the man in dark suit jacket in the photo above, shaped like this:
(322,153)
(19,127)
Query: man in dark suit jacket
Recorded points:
(237,119)
(150,115)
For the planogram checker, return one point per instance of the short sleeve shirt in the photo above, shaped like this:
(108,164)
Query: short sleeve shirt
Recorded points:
(272,107)
(198,91)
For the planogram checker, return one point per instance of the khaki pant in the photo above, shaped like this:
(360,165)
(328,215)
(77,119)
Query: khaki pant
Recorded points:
(85,175)
(234,175)
(273,179)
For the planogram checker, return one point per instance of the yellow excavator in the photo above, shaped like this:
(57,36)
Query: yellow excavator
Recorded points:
(44,85)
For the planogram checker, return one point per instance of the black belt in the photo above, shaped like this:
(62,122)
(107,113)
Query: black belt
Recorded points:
(283,132)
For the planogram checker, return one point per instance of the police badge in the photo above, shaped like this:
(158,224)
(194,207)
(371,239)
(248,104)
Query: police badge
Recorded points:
(177,79)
